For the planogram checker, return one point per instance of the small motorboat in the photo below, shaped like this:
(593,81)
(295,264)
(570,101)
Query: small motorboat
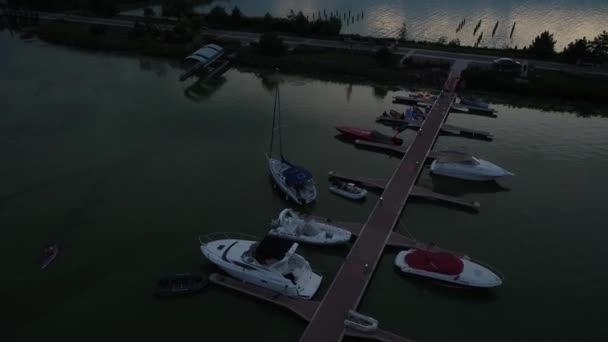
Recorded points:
(180,284)
(360,322)
(348,190)
(291,226)
(50,253)
(447,268)
(295,181)
(271,263)
(464,166)
(370,135)
(474,102)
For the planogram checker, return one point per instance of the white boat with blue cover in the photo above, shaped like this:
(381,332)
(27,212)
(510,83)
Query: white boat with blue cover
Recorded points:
(291,226)
(464,166)
(295,181)
(271,263)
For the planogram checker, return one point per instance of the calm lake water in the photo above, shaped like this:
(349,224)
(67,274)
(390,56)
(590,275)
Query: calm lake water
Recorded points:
(433,19)
(125,167)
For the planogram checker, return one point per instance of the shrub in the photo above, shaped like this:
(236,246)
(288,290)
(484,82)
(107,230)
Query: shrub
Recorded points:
(385,57)
(271,44)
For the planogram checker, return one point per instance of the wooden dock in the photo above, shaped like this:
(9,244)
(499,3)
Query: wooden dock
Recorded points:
(380,184)
(305,309)
(348,287)
(456,107)
(452,129)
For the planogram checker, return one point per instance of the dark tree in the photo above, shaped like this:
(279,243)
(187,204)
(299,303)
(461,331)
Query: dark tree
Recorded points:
(599,46)
(543,45)
(577,51)
(217,17)
(236,14)
(177,8)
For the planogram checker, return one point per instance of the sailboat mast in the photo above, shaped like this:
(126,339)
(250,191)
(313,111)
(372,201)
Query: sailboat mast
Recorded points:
(279,121)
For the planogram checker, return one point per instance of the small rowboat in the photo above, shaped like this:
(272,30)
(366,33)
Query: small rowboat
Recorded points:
(50,253)
(348,190)
(360,322)
(180,284)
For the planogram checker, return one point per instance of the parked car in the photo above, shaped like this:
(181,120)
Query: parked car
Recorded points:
(506,65)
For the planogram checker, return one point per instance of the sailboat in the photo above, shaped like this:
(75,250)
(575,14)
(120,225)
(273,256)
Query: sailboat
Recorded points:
(295,181)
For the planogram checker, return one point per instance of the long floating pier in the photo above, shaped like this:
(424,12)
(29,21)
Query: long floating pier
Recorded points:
(348,287)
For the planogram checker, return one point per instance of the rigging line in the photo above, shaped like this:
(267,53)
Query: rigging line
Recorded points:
(274,114)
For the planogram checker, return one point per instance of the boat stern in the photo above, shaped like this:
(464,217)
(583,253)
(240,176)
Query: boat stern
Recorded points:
(308,285)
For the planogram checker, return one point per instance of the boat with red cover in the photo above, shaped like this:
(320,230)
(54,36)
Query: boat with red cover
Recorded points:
(447,268)
(371,135)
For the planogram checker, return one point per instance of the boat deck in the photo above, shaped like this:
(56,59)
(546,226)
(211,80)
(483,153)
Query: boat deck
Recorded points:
(348,287)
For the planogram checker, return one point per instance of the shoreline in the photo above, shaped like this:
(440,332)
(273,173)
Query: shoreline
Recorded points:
(319,62)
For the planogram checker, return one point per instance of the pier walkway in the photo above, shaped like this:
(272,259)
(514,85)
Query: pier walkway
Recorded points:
(348,287)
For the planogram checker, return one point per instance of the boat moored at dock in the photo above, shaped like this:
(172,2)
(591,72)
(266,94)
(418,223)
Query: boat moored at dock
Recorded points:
(370,135)
(271,263)
(446,268)
(463,166)
(347,190)
(291,226)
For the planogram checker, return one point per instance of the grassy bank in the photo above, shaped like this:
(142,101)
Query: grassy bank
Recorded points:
(545,84)
(109,39)
(302,60)
(343,63)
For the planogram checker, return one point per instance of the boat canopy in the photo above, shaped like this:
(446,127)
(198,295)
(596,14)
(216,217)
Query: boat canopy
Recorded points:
(438,262)
(272,248)
(207,53)
(296,175)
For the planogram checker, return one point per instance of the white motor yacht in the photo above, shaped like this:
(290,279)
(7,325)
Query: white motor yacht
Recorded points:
(464,166)
(271,263)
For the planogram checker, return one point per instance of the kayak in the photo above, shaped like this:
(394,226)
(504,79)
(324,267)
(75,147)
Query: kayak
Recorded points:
(50,253)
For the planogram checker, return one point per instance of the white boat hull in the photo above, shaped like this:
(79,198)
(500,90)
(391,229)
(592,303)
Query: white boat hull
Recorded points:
(472,274)
(485,171)
(306,195)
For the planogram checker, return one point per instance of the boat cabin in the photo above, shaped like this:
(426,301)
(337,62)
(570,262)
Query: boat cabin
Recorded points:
(296,176)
